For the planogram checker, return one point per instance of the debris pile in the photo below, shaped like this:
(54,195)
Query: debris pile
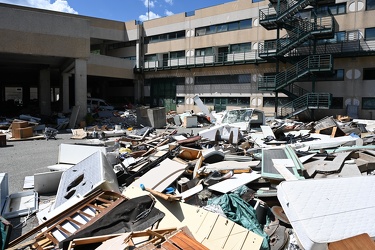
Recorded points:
(239,184)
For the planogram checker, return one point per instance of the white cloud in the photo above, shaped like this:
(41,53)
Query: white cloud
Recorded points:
(58,5)
(168,13)
(149,3)
(169,2)
(145,17)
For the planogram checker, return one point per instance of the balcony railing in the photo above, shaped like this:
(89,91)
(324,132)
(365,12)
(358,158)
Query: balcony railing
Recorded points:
(311,63)
(304,30)
(209,60)
(307,101)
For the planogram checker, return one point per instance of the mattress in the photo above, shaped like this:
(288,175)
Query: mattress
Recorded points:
(327,210)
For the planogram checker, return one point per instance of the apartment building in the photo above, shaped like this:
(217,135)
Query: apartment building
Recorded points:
(306,58)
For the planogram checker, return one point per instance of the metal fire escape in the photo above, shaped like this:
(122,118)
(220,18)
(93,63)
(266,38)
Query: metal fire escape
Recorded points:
(283,14)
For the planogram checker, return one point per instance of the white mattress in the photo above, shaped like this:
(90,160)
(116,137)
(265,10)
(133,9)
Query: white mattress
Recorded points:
(326,210)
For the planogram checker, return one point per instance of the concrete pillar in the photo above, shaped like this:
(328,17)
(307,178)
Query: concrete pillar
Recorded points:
(65,92)
(25,94)
(45,92)
(80,87)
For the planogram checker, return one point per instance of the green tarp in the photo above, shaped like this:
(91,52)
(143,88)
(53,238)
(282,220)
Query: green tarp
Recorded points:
(240,212)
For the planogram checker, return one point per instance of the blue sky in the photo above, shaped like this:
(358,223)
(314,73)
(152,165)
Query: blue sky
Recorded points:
(120,10)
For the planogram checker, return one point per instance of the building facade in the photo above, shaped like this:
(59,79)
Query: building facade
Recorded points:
(311,58)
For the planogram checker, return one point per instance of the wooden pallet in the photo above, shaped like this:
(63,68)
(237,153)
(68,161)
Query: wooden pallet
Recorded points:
(72,220)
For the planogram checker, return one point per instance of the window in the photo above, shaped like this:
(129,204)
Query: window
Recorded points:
(223,27)
(165,37)
(177,54)
(370,4)
(257,1)
(180,100)
(245,24)
(369,74)
(368,102)
(239,101)
(337,103)
(233,26)
(270,101)
(338,37)
(204,52)
(335,9)
(207,100)
(239,48)
(150,58)
(370,34)
(223,79)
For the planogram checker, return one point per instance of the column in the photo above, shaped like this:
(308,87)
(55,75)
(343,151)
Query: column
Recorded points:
(65,92)
(45,92)
(80,88)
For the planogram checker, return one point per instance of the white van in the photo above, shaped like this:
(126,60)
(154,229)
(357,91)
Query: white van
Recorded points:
(95,103)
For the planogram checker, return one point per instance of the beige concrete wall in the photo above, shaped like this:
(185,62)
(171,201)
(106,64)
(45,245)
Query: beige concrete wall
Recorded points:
(35,32)
(99,65)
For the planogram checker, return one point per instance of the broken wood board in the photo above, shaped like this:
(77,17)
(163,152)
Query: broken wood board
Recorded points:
(325,141)
(160,177)
(202,223)
(267,131)
(72,220)
(284,167)
(230,165)
(347,170)
(189,153)
(328,167)
(36,137)
(212,134)
(233,183)
(78,134)
(191,191)
(358,242)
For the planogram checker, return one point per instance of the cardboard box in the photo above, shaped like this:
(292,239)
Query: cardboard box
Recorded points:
(20,133)
(19,124)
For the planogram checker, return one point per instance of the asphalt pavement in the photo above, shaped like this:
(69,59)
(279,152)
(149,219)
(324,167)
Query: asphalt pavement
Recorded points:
(27,157)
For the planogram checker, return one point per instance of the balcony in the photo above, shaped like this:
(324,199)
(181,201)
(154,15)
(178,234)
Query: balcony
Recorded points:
(204,61)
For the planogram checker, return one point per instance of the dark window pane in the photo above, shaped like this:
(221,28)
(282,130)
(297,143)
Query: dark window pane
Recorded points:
(337,103)
(370,5)
(370,34)
(245,24)
(369,74)
(233,26)
(368,103)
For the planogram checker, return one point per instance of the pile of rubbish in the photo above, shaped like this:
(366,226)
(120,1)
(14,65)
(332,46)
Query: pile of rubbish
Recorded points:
(283,185)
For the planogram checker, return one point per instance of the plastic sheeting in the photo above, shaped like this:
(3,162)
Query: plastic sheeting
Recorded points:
(240,212)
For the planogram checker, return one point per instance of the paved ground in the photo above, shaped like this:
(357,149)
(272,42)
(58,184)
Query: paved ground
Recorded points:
(25,158)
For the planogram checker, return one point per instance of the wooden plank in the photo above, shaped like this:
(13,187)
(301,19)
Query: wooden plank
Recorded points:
(183,241)
(160,177)
(282,165)
(358,242)
(168,246)
(236,181)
